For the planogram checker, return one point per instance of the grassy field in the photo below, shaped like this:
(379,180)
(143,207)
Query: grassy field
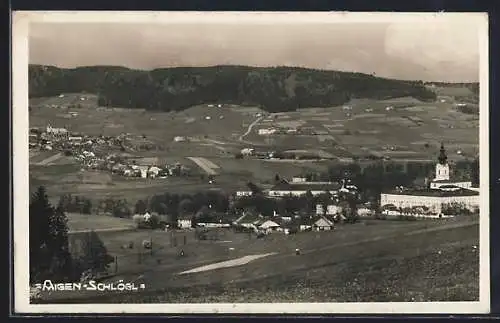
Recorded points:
(96,185)
(264,170)
(82,222)
(370,261)
(160,127)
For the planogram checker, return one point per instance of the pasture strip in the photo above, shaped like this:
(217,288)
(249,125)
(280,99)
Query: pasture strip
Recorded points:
(50,159)
(202,165)
(225,264)
(208,162)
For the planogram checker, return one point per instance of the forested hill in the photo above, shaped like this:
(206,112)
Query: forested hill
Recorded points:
(274,89)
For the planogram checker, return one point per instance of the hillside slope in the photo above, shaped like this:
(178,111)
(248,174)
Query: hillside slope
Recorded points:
(275,89)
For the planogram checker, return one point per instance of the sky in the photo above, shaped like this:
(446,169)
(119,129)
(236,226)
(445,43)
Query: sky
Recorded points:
(432,50)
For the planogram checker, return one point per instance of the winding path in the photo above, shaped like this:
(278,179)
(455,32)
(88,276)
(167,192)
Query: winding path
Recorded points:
(250,127)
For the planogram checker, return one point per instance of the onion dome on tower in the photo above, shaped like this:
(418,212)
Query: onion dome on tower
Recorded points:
(443,158)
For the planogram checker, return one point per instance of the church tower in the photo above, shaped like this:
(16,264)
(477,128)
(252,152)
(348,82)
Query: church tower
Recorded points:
(442,167)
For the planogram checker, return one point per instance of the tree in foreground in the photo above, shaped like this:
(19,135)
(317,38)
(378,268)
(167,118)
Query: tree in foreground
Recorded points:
(140,207)
(48,238)
(93,258)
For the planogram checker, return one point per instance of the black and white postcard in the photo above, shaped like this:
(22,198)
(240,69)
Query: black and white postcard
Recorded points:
(250,162)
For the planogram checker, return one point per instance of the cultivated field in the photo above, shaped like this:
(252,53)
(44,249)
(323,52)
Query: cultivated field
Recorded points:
(426,260)
(412,130)
(368,125)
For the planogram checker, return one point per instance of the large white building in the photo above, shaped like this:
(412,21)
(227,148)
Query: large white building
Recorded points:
(433,200)
(441,192)
(300,188)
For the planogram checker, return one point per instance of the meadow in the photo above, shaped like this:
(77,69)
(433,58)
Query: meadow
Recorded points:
(375,260)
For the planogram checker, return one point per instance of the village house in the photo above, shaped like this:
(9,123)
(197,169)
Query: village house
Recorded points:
(364,211)
(250,219)
(323,224)
(184,221)
(304,223)
(269,226)
(57,132)
(331,209)
(243,191)
(153,171)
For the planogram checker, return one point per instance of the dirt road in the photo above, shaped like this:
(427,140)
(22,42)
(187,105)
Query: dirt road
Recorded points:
(250,127)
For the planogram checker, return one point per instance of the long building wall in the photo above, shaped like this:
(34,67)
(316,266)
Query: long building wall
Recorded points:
(434,203)
(297,193)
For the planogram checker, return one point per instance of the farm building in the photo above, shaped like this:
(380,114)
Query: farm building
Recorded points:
(442,191)
(269,226)
(179,139)
(266,131)
(75,138)
(249,219)
(301,188)
(299,179)
(323,224)
(247,151)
